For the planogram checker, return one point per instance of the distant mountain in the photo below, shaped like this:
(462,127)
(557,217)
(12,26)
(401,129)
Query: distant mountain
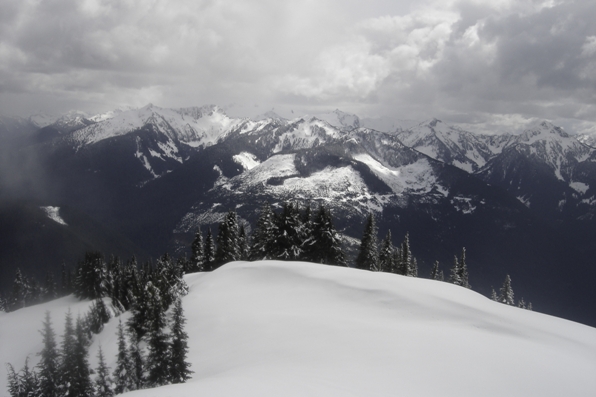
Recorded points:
(549,171)
(155,175)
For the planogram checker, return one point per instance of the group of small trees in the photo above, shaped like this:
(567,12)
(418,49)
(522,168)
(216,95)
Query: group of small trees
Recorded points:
(292,234)
(61,372)
(27,291)
(156,352)
(387,258)
(507,297)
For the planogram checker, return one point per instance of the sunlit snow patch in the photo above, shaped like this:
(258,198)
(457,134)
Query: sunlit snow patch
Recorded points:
(579,187)
(247,160)
(54,214)
(416,177)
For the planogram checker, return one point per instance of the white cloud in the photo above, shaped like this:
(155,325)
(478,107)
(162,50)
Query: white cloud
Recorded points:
(458,60)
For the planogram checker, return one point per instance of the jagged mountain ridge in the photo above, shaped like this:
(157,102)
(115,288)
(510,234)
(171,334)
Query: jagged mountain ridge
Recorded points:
(155,175)
(544,167)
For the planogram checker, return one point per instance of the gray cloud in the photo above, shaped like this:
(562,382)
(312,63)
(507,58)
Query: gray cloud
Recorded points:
(482,63)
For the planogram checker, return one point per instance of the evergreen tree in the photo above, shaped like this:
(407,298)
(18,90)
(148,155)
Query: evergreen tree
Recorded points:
(209,252)
(65,276)
(81,385)
(3,303)
(168,278)
(459,271)
(463,270)
(50,290)
(103,381)
(23,384)
(92,280)
(197,260)
(506,292)
(493,295)
(407,264)
(455,275)
(21,292)
(243,244)
(123,374)
(521,303)
(529,307)
(179,367)
(138,364)
(290,234)
(158,345)
(68,363)
(228,244)
(325,244)
(386,254)
(130,284)
(435,272)
(97,316)
(368,255)
(264,235)
(14,385)
(49,364)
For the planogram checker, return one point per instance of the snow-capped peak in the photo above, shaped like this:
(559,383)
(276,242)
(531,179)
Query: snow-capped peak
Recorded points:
(544,130)
(194,126)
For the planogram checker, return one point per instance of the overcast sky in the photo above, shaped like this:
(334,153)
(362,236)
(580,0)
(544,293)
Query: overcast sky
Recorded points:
(481,63)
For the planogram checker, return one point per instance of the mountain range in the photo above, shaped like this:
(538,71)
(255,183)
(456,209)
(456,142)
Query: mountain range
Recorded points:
(521,204)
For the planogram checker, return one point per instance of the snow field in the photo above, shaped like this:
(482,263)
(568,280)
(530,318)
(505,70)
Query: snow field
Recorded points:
(274,328)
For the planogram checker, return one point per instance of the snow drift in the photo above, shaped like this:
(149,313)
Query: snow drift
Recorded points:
(275,328)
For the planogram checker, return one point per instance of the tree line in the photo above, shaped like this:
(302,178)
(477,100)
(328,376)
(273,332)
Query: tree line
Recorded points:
(152,346)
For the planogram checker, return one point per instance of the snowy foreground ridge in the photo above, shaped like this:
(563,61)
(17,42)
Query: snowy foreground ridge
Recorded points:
(298,329)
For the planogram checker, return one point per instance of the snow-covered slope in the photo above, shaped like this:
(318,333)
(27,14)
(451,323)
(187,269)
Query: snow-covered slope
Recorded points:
(298,329)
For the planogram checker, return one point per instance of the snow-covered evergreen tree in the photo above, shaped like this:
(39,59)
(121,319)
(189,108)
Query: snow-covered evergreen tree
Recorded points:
(49,363)
(455,275)
(228,244)
(291,236)
(435,272)
(24,383)
(463,270)
(179,367)
(21,292)
(92,279)
(386,255)
(521,303)
(406,264)
(97,316)
(493,295)
(324,244)
(368,256)
(82,384)
(459,271)
(68,364)
(243,244)
(209,252)
(138,362)
(197,259)
(158,343)
(123,374)
(506,293)
(265,234)
(103,381)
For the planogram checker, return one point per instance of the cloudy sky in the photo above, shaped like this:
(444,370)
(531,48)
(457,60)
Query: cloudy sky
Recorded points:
(485,64)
